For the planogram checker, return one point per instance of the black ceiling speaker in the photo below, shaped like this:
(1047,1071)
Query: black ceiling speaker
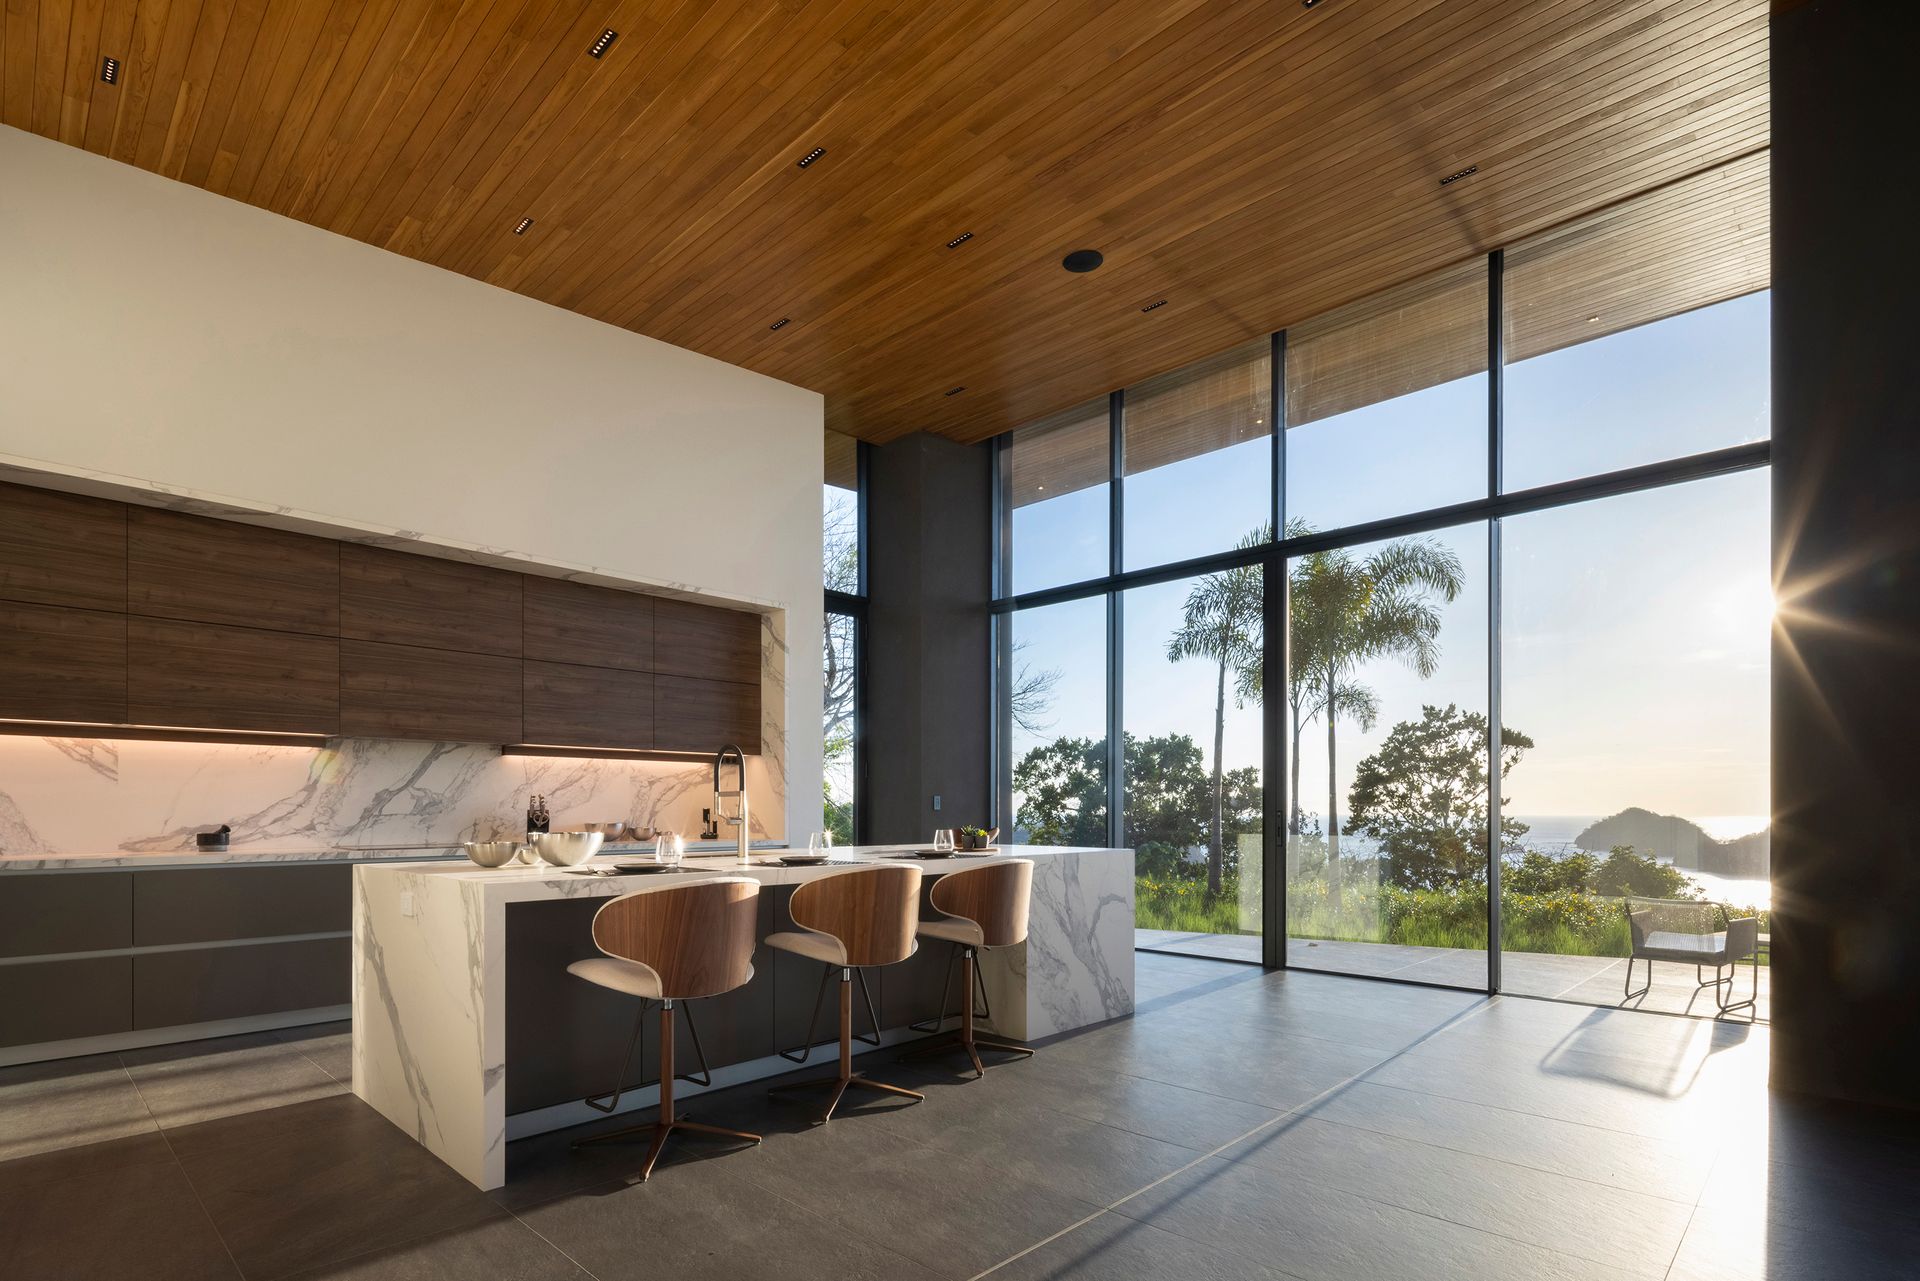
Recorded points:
(1082,260)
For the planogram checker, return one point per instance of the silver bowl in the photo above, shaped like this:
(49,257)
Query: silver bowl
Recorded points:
(491,853)
(567,849)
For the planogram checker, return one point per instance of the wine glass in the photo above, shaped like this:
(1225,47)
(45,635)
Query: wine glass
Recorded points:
(669,848)
(943,840)
(820,843)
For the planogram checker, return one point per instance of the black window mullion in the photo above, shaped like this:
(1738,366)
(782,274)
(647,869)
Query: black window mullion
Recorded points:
(1496,424)
(1273,682)
(1116,564)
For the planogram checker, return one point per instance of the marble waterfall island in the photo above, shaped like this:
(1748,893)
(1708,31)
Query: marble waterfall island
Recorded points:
(442,1050)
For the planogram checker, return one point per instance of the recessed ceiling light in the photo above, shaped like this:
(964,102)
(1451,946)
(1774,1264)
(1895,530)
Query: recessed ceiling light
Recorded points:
(1452,178)
(521,230)
(604,43)
(109,69)
(1082,260)
(1593,320)
(1308,4)
(1152,305)
(812,156)
(960,239)
(778,323)
(956,391)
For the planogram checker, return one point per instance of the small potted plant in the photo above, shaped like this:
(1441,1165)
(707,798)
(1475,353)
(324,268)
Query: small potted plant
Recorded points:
(975,838)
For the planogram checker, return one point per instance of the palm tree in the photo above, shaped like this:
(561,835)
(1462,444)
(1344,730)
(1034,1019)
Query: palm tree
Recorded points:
(1222,623)
(1344,612)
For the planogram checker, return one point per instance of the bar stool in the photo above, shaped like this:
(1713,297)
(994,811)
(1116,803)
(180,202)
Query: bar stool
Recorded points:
(672,946)
(848,921)
(981,907)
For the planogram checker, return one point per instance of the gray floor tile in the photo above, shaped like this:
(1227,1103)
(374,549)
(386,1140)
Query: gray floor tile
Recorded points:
(44,1168)
(1116,1248)
(204,1080)
(115,1225)
(1082,1159)
(1755,1245)
(297,1187)
(708,1222)
(328,1044)
(1327,1235)
(69,1103)
(499,1250)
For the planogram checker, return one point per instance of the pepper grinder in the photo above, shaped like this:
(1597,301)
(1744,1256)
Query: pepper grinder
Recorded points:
(538,822)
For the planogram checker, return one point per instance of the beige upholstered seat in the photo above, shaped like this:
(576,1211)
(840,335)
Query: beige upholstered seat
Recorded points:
(672,945)
(850,920)
(982,907)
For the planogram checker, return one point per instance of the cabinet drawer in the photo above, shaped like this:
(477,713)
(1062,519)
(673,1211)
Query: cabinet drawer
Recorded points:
(205,905)
(579,623)
(691,715)
(60,664)
(401,599)
(62,1000)
(201,675)
(217,571)
(575,706)
(82,912)
(200,986)
(400,691)
(62,549)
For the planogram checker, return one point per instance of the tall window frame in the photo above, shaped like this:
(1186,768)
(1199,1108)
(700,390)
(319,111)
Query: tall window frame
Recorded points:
(851,606)
(1488,508)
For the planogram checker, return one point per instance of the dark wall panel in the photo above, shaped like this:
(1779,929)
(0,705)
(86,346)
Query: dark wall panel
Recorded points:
(217,571)
(62,549)
(1846,451)
(206,984)
(59,664)
(929,692)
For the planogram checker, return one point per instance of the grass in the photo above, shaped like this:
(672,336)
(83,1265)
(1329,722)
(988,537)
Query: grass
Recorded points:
(1569,923)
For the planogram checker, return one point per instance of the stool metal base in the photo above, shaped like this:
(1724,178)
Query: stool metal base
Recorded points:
(660,1131)
(848,1078)
(964,1038)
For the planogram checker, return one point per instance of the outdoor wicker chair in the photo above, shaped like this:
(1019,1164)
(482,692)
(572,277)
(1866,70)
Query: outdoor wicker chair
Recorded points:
(1702,934)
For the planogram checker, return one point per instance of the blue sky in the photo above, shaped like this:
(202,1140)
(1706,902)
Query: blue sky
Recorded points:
(1635,629)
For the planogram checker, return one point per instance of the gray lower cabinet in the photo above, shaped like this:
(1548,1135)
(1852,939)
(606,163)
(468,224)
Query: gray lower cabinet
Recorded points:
(46,915)
(204,985)
(205,905)
(64,1000)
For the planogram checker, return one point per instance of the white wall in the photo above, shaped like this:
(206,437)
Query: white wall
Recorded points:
(168,339)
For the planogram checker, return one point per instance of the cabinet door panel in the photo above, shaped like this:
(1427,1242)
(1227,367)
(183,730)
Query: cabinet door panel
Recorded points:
(42,915)
(578,623)
(572,706)
(210,904)
(217,571)
(62,664)
(705,641)
(401,599)
(402,691)
(205,984)
(692,715)
(63,1000)
(62,549)
(196,674)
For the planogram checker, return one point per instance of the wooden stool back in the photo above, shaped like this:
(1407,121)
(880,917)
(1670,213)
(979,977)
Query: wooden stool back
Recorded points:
(698,938)
(873,911)
(995,897)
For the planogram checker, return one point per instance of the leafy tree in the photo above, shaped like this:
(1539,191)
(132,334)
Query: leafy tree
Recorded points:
(1538,873)
(1626,871)
(1065,788)
(1222,624)
(1424,796)
(1347,610)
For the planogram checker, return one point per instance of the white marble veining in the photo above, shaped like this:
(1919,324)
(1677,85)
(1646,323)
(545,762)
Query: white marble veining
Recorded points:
(429,975)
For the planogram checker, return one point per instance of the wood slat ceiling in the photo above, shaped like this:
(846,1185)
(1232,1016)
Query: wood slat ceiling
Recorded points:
(1253,162)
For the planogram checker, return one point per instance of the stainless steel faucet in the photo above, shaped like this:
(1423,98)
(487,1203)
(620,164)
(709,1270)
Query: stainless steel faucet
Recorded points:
(738,819)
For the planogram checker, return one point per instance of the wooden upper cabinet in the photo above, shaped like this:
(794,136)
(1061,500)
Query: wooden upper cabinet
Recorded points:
(694,715)
(218,571)
(404,691)
(401,599)
(204,676)
(706,641)
(573,706)
(62,549)
(62,664)
(597,626)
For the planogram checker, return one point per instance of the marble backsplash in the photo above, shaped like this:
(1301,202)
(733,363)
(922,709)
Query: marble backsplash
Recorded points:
(83,795)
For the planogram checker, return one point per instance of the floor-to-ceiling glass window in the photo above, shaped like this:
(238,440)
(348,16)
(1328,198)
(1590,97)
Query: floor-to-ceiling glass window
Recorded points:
(1495,678)
(842,578)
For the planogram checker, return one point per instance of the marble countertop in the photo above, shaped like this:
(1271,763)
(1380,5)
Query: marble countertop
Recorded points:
(110,859)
